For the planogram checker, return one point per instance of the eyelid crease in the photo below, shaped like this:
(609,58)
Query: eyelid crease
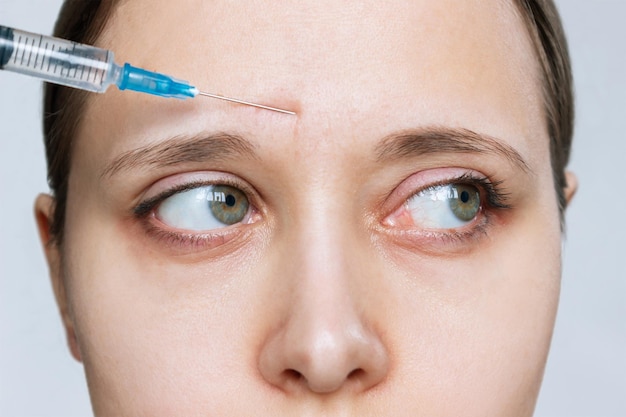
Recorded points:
(181,149)
(438,139)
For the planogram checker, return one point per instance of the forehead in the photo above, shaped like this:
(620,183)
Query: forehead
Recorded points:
(453,62)
(291,35)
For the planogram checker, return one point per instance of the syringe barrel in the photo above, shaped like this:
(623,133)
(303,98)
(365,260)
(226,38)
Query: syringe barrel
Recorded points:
(56,60)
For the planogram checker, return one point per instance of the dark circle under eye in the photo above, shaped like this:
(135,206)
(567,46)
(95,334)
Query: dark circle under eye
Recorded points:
(228,205)
(464,201)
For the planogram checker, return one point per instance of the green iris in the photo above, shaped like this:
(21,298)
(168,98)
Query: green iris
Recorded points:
(464,201)
(229,204)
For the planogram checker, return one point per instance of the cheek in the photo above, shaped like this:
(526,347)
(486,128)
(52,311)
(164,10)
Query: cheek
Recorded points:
(481,322)
(151,329)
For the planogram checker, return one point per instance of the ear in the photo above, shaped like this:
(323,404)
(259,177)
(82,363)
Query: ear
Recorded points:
(571,187)
(44,215)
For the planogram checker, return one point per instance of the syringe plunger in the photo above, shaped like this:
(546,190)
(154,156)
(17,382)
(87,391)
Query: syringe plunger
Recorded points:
(56,60)
(80,66)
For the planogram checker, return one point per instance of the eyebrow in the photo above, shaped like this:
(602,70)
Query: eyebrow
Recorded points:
(219,146)
(182,149)
(429,140)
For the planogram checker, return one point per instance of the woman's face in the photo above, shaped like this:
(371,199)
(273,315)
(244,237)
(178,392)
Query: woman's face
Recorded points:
(393,249)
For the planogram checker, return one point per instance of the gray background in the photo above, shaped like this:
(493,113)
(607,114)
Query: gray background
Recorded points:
(586,372)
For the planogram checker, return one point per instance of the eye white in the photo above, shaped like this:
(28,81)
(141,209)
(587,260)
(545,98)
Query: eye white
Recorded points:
(430,208)
(189,210)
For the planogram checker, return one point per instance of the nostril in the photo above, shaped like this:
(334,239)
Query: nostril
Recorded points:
(298,378)
(356,374)
(293,375)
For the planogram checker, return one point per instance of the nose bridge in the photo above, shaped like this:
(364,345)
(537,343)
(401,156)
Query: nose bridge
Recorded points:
(324,300)
(325,342)
(324,241)
(321,211)
(322,244)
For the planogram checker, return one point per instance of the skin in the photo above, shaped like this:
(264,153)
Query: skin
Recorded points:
(328,300)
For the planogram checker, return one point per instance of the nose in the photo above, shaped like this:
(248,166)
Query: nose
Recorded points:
(326,342)
(324,358)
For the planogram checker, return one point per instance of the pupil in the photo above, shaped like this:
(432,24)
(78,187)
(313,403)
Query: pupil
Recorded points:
(230,200)
(464,196)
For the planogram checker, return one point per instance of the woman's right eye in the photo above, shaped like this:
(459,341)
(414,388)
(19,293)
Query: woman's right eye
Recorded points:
(204,208)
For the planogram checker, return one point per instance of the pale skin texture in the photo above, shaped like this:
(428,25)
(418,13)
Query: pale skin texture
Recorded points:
(326,301)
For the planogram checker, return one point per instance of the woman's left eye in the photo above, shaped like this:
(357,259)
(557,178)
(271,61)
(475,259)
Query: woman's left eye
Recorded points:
(204,208)
(447,206)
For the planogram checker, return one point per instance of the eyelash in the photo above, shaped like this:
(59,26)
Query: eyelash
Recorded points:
(144,208)
(497,198)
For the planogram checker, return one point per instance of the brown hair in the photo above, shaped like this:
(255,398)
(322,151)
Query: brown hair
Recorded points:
(83,21)
(546,30)
(80,21)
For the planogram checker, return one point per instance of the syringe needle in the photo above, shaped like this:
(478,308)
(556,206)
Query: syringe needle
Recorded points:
(247,103)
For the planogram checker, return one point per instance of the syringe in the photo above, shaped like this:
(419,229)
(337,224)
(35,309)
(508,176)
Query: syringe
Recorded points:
(89,68)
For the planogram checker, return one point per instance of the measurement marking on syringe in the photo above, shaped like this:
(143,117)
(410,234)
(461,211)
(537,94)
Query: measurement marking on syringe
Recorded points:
(50,56)
(23,45)
(101,77)
(72,66)
(45,55)
(19,40)
(82,72)
(62,63)
(101,72)
(23,48)
(38,49)
(30,54)
(56,61)
(89,74)
(17,51)
(30,48)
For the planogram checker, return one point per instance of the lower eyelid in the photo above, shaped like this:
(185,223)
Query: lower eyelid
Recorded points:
(442,242)
(186,242)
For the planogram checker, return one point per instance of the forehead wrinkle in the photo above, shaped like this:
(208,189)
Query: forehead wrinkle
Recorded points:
(182,149)
(430,140)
